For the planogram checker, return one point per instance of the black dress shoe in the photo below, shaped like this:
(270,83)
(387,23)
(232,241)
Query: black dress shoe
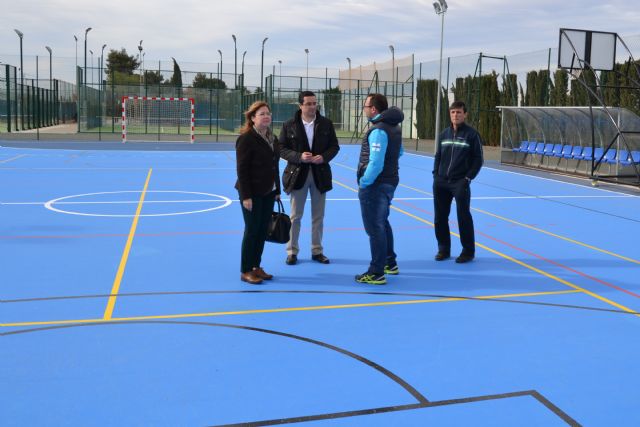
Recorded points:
(291,259)
(320,258)
(464,258)
(441,256)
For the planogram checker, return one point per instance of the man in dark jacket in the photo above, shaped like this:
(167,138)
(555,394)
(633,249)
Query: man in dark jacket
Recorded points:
(457,161)
(308,143)
(377,180)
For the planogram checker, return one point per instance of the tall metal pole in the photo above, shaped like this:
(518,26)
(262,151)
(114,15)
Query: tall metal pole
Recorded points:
(262,66)
(235,62)
(393,69)
(20,34)
(349,103)
(84,81)
(440,8)
(102,62)
(140,49)
(242,71)
(91,52)
(306,51)
(76,39)
(220,74)
(50,68)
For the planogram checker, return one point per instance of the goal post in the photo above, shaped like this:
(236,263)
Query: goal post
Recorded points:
(158,119)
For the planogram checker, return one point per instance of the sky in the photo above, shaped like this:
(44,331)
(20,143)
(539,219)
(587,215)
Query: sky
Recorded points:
(192,31)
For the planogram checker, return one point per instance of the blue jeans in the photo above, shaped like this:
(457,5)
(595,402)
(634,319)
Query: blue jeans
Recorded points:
(374,205)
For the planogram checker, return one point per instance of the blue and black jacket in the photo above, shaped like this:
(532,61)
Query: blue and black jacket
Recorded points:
(381,149)
(459,154)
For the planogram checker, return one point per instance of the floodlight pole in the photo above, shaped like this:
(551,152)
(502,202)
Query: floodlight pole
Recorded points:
(20,35)
(102,61)
(306,51)
(262,67)
(220,76)
(141,61)
(242,70)
(349,102)
(393,70)
(50,67)
(84,82)
(441,8)
(235,66)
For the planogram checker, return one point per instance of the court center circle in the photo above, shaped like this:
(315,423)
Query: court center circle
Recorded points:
(222,202)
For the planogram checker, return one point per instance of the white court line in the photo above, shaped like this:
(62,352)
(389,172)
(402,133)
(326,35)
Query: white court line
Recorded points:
(348,199)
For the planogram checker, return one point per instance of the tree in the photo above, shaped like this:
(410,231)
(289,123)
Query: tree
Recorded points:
(119,61)
(333,104)
(202,81)
(152,77)
(176,78)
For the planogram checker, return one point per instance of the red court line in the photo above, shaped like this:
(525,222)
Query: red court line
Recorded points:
(557,264)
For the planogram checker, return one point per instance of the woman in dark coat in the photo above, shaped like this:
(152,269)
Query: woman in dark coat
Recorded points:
(258,185)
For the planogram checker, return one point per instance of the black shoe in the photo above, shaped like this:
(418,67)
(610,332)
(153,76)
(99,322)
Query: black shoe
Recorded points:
(320,258)
(442,255)
(291,259)
(464,258)
(392,269)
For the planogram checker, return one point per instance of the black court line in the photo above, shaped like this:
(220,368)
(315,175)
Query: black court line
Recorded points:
(372,411)
(423,402)
(466,298)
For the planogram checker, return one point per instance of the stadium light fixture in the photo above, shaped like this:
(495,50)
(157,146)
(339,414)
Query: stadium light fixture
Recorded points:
(441,8)
(235,62)
(262,66)
(21,35)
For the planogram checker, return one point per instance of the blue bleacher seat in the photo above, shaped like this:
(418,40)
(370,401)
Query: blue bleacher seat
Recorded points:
(634,157)
(623,156)
(576,152)
(587,153)
(540,148)
(531,149)
(597,153)
(523,147)
(548,149)
(566,151)
(610,156)
(557,150)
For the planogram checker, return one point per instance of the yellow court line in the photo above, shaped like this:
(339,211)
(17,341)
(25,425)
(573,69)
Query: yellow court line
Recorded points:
(111,303)
(567,239)
(282,310)
(523,264)
(12,159)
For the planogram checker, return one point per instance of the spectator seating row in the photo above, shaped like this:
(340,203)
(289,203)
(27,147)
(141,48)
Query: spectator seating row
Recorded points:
(577,152)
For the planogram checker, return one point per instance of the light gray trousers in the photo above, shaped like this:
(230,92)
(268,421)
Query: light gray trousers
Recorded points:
(298,200)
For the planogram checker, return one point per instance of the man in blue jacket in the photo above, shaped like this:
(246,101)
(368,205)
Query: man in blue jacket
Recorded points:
(377,180)
(457,161)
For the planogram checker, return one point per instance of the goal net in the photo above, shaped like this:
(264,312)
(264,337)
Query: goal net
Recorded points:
(157,119)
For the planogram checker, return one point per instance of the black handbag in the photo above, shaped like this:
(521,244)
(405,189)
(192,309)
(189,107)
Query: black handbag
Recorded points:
(280,226)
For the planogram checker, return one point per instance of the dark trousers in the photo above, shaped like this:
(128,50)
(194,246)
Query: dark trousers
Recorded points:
(443,194)
(256,222)
(374,205)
